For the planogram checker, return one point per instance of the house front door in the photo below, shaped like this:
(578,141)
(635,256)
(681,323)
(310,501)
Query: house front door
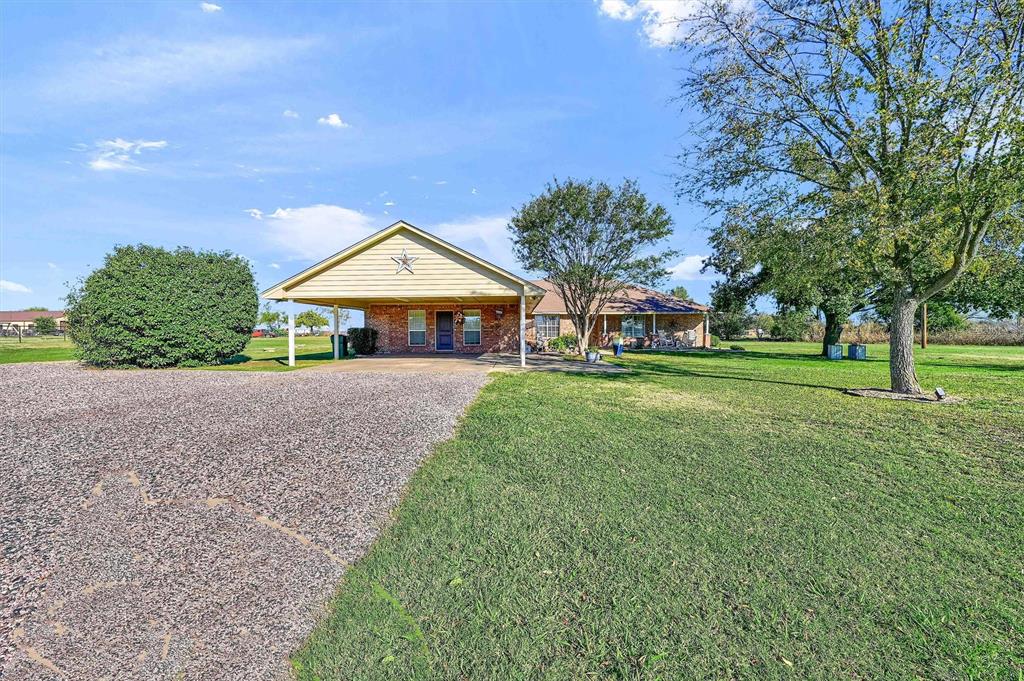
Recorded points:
(445,331)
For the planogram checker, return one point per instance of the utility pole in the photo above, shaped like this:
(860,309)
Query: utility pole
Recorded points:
(924,325)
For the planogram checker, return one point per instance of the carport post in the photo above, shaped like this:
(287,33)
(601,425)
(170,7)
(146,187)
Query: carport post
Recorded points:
(291,333)
(337,338)
(522,328)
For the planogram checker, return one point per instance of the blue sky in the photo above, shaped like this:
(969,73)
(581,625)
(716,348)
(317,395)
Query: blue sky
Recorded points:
(285,132)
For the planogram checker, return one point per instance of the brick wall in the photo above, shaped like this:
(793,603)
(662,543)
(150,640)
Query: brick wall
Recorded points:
(499,331)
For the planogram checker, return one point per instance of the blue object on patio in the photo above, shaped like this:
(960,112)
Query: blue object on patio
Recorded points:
(618,349)
(835,351)
(856,351)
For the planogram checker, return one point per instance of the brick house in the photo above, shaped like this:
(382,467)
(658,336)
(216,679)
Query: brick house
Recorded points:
(423,294)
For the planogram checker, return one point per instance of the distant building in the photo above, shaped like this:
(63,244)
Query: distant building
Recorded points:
(19,321)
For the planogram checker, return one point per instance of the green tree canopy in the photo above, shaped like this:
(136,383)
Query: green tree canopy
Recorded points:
(151,307)
(902,120)
(680,292)
(311,319)
(591,240)
(45,325)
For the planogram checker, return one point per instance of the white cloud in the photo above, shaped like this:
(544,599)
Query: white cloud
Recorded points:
(688,269)
(333,120)
(288,113)
(209,7)
(140,67)
(315,232)
(662,21)
(13,287)
(485,236)
(389,203)
(52,265)
(254,213)
(441,182)
(120,154)
(473,190)
(275,265)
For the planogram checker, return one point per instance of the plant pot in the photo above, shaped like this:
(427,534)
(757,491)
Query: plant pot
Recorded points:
(592,357)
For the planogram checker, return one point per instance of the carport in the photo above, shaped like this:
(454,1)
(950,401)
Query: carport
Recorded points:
(421,294)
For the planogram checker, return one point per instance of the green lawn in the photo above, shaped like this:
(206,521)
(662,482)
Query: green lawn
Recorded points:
(261,354)
(706,516)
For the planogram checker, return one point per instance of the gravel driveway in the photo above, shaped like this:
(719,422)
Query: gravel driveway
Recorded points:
(192,524)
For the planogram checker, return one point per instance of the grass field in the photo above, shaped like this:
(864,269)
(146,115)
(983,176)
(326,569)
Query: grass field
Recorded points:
(261,354)
(705,516)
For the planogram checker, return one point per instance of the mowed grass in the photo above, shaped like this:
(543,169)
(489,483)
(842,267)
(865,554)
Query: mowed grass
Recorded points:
(705,516)
(35,349)
(260,354)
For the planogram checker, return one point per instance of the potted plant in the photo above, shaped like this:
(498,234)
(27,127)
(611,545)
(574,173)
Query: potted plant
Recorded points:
(593,355)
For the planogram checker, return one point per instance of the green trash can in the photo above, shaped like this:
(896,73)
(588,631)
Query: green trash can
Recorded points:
(344,345)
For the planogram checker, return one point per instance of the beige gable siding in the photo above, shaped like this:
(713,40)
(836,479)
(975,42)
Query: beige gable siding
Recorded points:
(436,273)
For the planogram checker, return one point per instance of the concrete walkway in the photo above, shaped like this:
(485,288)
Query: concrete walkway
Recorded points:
(456,363)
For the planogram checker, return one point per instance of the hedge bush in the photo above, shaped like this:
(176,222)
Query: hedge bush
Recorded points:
(151,307)
(567,342)
(363,340)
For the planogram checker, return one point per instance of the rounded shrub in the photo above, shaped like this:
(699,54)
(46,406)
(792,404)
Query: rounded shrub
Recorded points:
(363,340)
(151,307)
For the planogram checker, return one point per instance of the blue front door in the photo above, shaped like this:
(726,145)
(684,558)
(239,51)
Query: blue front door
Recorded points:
(445,331)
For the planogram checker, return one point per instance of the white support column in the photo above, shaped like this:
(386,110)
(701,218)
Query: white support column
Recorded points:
(655,322)
(291,333)
(522,328)
(337,336)
(605,331)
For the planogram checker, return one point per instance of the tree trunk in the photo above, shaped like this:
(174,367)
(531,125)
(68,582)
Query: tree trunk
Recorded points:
(833,332)
(901,346)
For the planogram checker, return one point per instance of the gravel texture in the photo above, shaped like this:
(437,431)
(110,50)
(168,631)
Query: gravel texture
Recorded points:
(193,524)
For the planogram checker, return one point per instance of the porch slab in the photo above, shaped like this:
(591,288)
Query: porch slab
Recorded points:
(466,363)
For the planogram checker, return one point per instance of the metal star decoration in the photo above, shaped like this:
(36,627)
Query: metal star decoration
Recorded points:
(404,261)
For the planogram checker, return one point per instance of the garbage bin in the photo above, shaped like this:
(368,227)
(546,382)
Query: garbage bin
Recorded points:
(835,351)
(857,351)
(344,345)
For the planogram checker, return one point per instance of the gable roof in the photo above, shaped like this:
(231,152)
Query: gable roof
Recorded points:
(632,300)
(279,290)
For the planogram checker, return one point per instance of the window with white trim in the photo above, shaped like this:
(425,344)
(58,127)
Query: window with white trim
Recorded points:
(633,326)
(471,327)
(546,325)
(417,327)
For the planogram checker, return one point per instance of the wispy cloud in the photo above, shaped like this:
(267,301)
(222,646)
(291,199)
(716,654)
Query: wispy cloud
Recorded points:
(288,113)
(209,7)
(52,266)
(13,287)
(119,154)
(275,265)
(689,269)
(315,232)
(486,236)
(254,213)
(141,67)
(441,182)
(662,21)
(389,203)
(333,120)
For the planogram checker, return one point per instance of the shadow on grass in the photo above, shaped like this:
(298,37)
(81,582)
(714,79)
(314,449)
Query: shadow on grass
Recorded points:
(282,360)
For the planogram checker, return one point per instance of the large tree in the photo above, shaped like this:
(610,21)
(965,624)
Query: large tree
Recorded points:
(311,319)
(591,240)
(801,263)
(903,119)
